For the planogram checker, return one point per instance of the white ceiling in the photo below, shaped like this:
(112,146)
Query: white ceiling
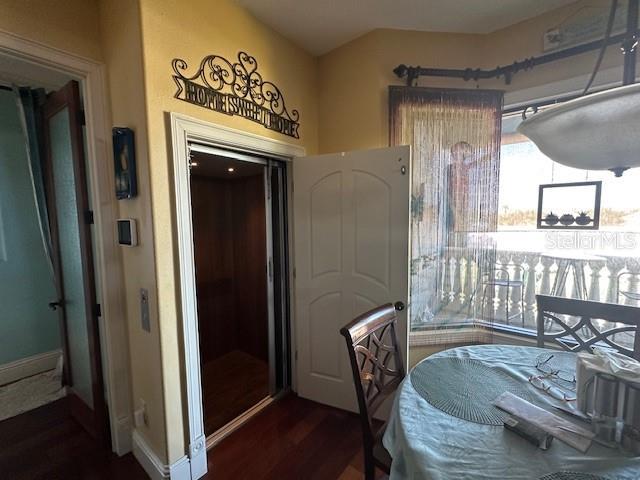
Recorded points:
(26,74)
(322,25)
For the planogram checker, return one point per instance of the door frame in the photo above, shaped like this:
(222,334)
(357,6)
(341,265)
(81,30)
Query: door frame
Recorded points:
(93,418)
(185,129)
(113,322)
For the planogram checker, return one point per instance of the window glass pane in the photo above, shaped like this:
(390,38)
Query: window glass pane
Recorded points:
(601,265)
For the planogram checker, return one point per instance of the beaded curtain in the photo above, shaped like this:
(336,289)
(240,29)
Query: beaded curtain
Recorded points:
(455,142)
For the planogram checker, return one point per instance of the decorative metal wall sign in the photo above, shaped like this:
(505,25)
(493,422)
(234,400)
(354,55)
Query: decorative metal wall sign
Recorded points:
(236,89)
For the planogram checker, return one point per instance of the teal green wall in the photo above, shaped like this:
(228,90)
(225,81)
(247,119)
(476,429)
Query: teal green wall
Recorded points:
(27,325)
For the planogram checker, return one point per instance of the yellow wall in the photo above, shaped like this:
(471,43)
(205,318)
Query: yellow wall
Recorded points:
(70,25)
(171,30)
(122,50)
(354,81)
(354,78)
(137,39)
(525,39)
(342,98)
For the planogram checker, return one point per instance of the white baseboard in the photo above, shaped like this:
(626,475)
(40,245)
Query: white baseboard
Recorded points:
(123,434)
(179,470)
(222,433)
(26,367)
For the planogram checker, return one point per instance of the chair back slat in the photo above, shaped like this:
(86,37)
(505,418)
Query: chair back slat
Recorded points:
(376,361)
(584,334)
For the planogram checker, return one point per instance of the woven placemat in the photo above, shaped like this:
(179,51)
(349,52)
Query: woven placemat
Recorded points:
(465,388)
(571,476)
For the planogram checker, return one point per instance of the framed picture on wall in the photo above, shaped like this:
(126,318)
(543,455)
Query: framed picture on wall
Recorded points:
(124,160)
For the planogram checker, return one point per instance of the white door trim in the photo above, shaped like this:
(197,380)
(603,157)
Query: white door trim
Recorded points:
(108,263)
(184,130)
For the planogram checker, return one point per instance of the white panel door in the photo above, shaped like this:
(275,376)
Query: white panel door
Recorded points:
(351,227)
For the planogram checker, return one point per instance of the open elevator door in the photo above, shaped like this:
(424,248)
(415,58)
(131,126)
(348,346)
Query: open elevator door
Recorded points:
(351,226)
(238,209)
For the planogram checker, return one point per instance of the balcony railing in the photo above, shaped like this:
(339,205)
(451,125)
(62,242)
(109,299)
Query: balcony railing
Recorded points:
(464,291)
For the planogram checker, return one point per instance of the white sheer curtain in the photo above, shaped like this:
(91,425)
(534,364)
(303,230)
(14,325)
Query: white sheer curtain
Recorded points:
(29,104)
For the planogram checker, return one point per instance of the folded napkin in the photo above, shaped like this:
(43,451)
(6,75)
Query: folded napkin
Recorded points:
(564,430)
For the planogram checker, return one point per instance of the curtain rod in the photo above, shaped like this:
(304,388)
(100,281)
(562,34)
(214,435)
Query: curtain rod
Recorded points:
(628,41)
(508,71)
(533,107)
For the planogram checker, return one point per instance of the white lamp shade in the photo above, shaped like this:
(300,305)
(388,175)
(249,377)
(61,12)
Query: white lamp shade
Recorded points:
(600,131)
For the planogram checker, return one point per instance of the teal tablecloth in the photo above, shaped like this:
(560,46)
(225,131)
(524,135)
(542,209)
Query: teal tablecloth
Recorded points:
(426,443)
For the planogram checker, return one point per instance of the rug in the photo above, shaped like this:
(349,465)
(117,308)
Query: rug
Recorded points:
(29,393)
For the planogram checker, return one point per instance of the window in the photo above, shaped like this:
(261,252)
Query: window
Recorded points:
(522,261)
(477,257)
(523,168)
(601,265)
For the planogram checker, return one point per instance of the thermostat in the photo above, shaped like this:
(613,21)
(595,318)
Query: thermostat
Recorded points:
(127,232)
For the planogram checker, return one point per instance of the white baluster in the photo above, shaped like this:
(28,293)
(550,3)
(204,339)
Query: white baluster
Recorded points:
(615,266)
(633,285)
(545,282)
(474,299)
(467,289)
(456,300)
(502,294)
(596,267)
(532,260)
(445,277)
(516,293)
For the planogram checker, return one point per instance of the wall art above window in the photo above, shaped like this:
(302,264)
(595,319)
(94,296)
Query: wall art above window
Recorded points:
(236,89)
(574,206)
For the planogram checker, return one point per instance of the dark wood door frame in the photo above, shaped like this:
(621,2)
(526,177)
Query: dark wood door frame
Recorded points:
(95,421)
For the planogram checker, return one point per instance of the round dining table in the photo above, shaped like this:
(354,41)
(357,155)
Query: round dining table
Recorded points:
(426,443)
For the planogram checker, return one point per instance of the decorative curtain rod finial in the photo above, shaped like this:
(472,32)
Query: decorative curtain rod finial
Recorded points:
(410,73)
(400,71)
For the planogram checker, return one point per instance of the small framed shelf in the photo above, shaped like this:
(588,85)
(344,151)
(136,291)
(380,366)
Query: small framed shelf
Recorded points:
(569,206)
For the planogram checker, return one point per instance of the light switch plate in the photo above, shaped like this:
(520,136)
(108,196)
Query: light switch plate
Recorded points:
(144,310)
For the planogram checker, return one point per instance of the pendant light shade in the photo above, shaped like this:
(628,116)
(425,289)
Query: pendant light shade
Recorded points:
(600,131)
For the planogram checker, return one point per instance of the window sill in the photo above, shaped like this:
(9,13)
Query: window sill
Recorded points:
(486,334)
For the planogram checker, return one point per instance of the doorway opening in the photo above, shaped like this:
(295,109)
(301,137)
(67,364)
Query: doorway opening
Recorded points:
(238,206)
(50,359)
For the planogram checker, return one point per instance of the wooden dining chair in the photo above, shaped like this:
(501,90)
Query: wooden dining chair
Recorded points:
(589,330)
(377,369)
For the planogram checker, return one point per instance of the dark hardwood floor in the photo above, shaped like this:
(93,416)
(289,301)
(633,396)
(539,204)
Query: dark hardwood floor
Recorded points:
(291,439)
(47,444)
(231,385)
